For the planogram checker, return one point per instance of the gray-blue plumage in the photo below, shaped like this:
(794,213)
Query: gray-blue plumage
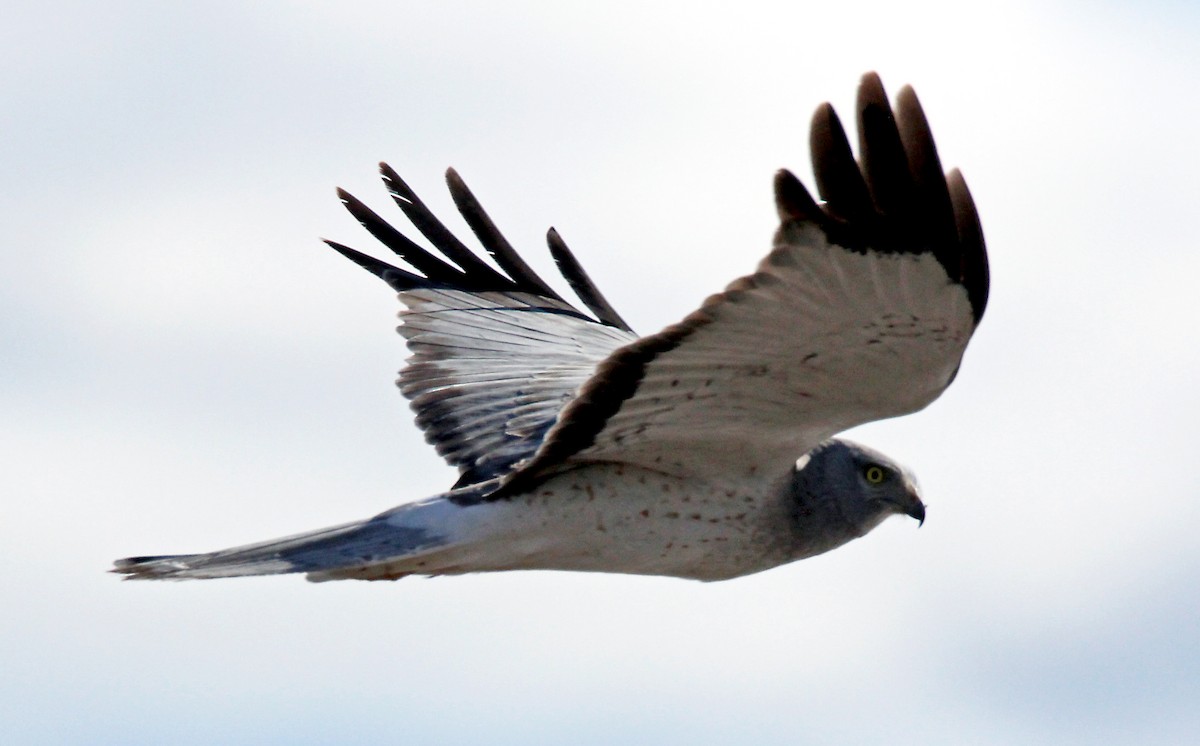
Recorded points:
(581,446)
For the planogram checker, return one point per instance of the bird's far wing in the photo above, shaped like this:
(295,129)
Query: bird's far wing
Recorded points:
(861,311)
(495,355)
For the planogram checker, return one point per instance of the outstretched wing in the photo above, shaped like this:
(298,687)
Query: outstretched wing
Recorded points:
(495,356)
(861,311)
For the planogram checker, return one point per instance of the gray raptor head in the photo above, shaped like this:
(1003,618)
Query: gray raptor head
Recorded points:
(847,487)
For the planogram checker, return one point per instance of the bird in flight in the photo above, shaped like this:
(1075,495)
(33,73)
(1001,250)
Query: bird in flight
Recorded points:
(702,451)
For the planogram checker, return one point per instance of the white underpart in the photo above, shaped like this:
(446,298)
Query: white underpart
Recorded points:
(607,518)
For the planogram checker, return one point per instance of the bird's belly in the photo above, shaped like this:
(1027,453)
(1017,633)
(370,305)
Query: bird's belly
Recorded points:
(628,520)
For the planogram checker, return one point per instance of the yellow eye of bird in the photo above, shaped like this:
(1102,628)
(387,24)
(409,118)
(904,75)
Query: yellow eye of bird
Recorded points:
(874,474)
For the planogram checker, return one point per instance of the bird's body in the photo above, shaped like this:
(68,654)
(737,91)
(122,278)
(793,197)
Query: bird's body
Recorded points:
(596,518)
(603,518)
(703,451)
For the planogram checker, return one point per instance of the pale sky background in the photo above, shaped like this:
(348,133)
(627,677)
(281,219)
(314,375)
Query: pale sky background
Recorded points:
(186,367)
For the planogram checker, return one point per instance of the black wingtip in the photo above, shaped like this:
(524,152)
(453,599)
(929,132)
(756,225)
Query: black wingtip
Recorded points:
(871,91)
(395,185)
(432,267)
(792,200)
(396,278)
(895,197)
(881,152)
(494,241)
(455,266)
(975,273)
(573,272)
(839,181)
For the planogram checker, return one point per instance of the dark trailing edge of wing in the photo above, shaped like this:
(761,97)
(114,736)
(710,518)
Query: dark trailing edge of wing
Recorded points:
(459,268)
(615,380)
(895,199)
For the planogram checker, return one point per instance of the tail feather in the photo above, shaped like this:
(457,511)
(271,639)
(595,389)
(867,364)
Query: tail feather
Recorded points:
(338,547)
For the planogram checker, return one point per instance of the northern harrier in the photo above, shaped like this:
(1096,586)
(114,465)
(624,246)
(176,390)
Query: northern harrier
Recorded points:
(702,451)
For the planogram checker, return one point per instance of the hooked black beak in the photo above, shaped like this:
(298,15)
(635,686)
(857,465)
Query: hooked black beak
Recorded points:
(917,510)
(912,507)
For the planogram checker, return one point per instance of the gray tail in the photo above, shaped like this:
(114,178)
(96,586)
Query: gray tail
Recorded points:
(326,554)
(350,545)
